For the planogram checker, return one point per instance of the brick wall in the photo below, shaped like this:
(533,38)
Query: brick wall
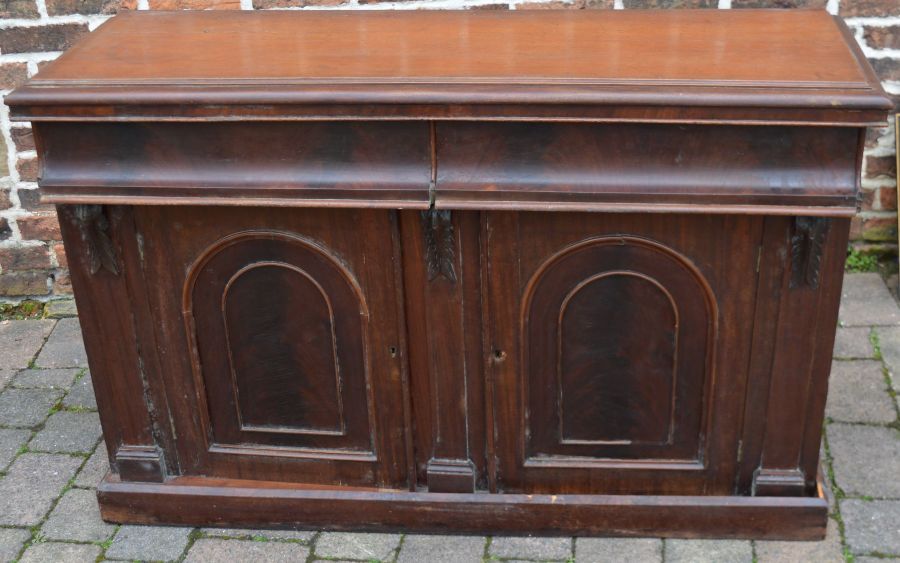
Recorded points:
(33,32)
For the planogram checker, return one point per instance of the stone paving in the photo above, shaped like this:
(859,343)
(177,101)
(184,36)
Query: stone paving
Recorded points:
(51,460)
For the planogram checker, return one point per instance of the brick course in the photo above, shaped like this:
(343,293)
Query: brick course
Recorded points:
(30,37)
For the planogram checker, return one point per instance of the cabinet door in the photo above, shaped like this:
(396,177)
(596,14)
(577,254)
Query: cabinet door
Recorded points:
(621,346)
(288,320)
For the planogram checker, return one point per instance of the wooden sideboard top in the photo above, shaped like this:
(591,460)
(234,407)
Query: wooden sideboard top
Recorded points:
(792,66)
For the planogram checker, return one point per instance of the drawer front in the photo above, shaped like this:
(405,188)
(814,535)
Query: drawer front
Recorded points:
(283,333)
(621,346)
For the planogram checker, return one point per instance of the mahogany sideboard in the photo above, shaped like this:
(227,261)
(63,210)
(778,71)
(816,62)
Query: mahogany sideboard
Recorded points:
(551,272)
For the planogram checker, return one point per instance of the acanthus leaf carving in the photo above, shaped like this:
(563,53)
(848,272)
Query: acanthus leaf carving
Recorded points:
(440,245)
(93,226)
(807,244)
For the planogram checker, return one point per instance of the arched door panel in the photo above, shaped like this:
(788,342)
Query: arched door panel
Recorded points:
(619,350)
(280,336)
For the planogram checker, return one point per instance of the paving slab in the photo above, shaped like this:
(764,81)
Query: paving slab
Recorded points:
(6,376)
(11,542)
(866,459)
(148,543)
(708,551)
(865,300)
(418,548)
(21,340)
(828,550)
(26,407)
(46,378)
(69,432)
(76,517)
(206,550)
(94,469)
(889,342)
(858,392)
(10,442)
(853,343)
(531,547)
(32,484)
(81,396)
(51,552)
(64,348)
(872,526)
(246,533)
(349,545)
(618,550)
(61,309)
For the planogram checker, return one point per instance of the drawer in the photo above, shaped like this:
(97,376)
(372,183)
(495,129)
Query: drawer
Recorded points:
(301,164)
(647,167)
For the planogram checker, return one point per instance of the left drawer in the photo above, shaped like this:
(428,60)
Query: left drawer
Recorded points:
(275,163)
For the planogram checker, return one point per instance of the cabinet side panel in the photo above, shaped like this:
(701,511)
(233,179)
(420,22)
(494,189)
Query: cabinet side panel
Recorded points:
(783,430)
(99,245)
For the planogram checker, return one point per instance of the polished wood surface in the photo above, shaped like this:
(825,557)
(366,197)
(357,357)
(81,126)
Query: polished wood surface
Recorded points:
(461,272)
(463,64)
(391,46)
(250,504)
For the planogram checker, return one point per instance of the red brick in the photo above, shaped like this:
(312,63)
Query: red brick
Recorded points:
(28,169)
(195,4)
(266,4)
(877,229)
(66,7)
(24,258)
(868,198)
(878,166)
(818,4)
(18,9)
(39,227)
(869,8)
(671,3)
(62,283)
(559,5)
(13,75)
(4,199)
(60,252)
(5,231)
(23,138)
(887,37)
(40,38)
(17,284)
(886,69)
(888,198)
(31,201)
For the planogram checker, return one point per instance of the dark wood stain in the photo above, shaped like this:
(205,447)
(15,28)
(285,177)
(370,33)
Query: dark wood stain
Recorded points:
(495,279)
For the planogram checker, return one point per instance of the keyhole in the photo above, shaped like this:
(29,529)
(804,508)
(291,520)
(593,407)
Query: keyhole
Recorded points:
(499,355)
(393,351)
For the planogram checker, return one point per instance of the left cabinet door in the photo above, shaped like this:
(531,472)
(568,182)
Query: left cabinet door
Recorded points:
(280,342)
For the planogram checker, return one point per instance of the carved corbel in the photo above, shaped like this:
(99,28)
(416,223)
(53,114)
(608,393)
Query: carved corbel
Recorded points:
(807,244)
(98,247)
(440,245)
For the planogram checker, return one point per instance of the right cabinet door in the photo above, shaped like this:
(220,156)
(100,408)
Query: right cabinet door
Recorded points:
(620,350)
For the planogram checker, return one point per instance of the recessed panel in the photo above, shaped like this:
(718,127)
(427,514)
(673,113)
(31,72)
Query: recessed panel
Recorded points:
(280,334)
(617,350)
(617,338)
(280,330)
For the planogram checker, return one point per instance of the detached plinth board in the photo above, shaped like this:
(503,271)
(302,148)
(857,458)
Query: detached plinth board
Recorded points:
(525,272)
